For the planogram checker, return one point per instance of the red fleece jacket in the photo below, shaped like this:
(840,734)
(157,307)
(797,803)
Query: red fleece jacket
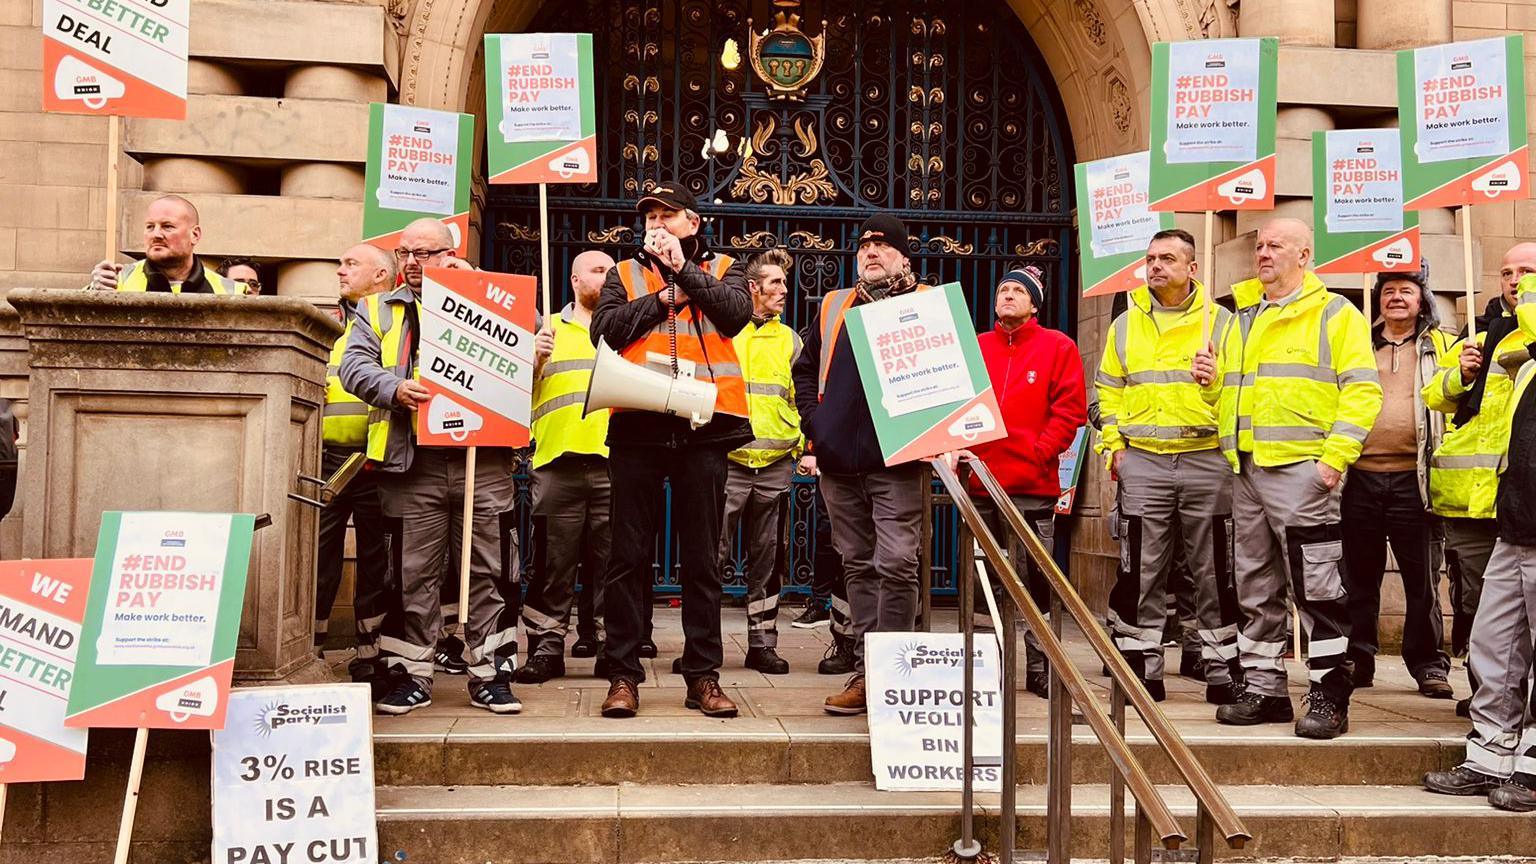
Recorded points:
(1038,376)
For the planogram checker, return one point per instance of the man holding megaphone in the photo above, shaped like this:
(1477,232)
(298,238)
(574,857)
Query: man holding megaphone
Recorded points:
(672,309)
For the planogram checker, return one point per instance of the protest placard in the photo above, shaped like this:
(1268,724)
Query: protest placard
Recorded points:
(1114,224)
(916,704)
(1359,225)
(923,375)
(541,120)
(1069,469)
(293,777)
(42,603)
(158,645)
(1213,124)
(476,357)
(120,58)
(418,166)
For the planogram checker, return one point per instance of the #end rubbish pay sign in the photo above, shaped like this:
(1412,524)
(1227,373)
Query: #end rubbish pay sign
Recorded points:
(476,357)
(42,603)
(418,166)
(1357,204)
(1112,240)
(123,57)
(158,645)
(541,117)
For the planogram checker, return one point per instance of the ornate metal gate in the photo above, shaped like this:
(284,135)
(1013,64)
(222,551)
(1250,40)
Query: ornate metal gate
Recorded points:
(943,112)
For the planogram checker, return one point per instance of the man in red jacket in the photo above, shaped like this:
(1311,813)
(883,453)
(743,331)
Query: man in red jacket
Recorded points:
(1038,376)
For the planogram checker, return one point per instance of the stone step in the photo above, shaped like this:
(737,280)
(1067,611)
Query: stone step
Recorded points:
(578,751)
(767,822)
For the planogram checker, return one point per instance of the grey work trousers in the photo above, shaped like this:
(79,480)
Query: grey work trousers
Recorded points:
(1503,737)
(754,497)
(1468,545)
(877,526)
(1170,503)
(427,500)
(570,514)
(1286,534)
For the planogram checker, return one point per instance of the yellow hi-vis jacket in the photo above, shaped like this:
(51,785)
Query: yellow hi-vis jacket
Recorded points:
(766,352)
(560,394)
(1523,378)
(1298,378)
(1464,472)
(393,358)
(1148,397)
(135,277)
(344,422)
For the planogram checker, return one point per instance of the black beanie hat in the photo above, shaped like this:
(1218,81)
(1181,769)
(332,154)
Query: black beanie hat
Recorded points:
(886,228)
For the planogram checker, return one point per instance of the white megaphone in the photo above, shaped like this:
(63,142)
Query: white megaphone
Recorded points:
(447,417)
(1504,178)
(453,231)
(198,699)
(76,79)
(571,163)
(1248,186)
(1140,273)
(7,750)
(973,423)
(1393,253)
(618,383)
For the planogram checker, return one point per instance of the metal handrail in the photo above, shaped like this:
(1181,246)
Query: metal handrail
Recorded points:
(1215,813)
(1152,806)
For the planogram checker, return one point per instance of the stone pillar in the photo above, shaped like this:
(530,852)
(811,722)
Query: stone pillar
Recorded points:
(1394,24)
(335,82)
(13,387)
(323,180)
(1295,22)
(187,176)
(167,402)
(213,79)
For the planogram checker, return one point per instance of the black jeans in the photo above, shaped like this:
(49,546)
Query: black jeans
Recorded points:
(827,571)
(1380,508)
(359,504)
(636,473)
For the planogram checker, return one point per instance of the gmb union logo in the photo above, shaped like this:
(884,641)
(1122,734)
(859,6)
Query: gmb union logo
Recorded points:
(277,715)
(914,655)
(173,539)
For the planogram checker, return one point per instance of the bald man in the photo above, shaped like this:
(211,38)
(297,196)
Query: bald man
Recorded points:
(362,271)
(421,493)
(170,265)
(570,478)
(1299,393)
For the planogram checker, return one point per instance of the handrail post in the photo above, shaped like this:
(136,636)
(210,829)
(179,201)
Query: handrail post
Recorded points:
(925,554)
(1007,822)
(1058,784)
(1205,835)
(1116,782)
(966,848)
(1143,847)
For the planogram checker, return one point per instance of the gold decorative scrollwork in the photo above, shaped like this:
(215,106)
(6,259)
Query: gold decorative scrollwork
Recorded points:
(514,231)
(811,240)
(806,135)
(755,240)
(615,234)
(805,187)
(1043,246)
(945,243)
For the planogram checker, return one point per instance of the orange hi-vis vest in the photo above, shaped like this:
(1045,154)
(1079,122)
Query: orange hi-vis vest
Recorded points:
(834,308)
(698,339)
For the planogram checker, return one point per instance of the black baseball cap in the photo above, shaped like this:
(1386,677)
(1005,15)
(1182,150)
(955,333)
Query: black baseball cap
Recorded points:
(886,228)
(670,194)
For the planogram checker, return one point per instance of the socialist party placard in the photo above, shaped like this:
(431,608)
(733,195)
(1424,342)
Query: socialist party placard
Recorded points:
(42,603)
(541,116)
(476,358)
(124,57)
(418,166)
(1357,203)
(923,375)
(293,777)
(916,704)
(1461,108)
(1213,124)
(1112,239)
(158,645)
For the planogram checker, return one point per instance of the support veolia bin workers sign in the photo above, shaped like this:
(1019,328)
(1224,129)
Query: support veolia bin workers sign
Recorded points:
(541,117)
(293,777)
(1461,108)
(118,57)
(1357,204)
(1114,226)
(41,606)
(158,646)
(418,165)
(923,375)
(1213,124)
(916,705)
(476,357)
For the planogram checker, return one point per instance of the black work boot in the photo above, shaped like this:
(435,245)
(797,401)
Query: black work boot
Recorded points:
(839,659)
(1513,796)
(1253,708)
(1327,716)
(540,668)
(767,661)
(1461,780)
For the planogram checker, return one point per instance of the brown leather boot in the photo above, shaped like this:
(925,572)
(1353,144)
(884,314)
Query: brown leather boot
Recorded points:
(851,700)
(623,698)
(705,695)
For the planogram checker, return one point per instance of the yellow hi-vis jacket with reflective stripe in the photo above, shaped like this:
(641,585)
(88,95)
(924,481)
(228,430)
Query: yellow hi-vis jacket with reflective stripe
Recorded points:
(1523,378)
(560,394)
(135,277)
(344,423)
(1148,398)
(1298,378)
(1464,471)
(392,358)
(766,352)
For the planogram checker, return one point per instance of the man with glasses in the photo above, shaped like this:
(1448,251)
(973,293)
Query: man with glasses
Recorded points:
(421,493)
(242,270)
